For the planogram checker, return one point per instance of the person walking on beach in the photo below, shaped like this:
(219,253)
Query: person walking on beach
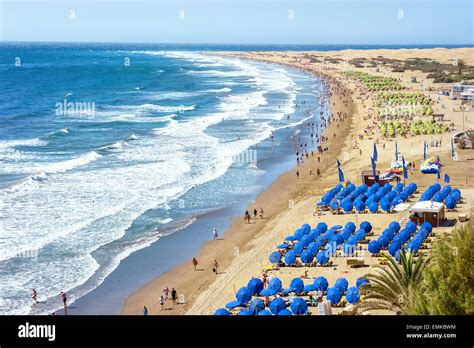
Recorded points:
(162,302)
(145,311)
(34,295)
(261,213)
(166,291)
(215,267)
(214,233)
(195,263)
(173,295)
(254,214)
(64,298)
(297,174)
(247,217)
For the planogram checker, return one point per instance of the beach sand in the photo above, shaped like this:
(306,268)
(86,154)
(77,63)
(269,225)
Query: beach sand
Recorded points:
(243,250)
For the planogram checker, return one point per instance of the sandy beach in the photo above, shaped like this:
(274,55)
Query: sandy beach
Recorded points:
(242,252)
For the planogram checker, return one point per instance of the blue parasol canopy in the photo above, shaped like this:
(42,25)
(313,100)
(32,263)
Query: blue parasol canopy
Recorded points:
(264,312)
(313,248)
(334,295)
(297,285)
(298,248)
(277,305)
(309,287)
(290,238)
(341,284)
(299,306)
(307,257)
(290,257)
(246,312)
(322,227)
(244,295)
(394,226)
(257,305)
(284,312)
(360,235)
(233,304)
(321,283)
(352,295)
(275,257)
(322,257)
(222,311)
(373,207)
(255,285)
(374,246)
(366,226)
(349,248)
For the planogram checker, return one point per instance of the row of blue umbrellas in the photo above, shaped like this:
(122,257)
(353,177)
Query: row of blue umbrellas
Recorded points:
(362,197)
(298,305)
(319,243)
(446,194)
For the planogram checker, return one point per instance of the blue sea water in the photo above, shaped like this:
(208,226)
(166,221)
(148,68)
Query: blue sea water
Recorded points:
(105,149)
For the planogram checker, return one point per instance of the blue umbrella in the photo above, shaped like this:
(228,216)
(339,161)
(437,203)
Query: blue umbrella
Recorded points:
(361,281)
(246,312)
(244,295)
(299,233)
(298,248)
(233,304)
(275,257)
(313,248)
(277,305)
(352,295)
(341,284)
(257,305)
(447,179)
(275,283)
(373,207)
(306,257)
(255,285)
(222,311)
(374,246)
(321,283)
(322,227)
(264,312)
(284,312)
(290,257)
(290,238)
(309,287)
(322,257)
(334,295)
(336,227)
(297,285)
(366,226)
(299,306)
(394,226)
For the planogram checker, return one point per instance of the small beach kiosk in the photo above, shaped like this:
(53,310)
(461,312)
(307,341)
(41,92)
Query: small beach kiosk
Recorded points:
(368,178)
(427,211)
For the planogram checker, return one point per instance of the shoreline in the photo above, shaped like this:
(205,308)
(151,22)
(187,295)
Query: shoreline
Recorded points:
(239,236)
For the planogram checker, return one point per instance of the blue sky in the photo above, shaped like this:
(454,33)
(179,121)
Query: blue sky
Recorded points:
(239,21)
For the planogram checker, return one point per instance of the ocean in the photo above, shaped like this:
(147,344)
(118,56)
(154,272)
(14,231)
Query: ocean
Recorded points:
(105,150)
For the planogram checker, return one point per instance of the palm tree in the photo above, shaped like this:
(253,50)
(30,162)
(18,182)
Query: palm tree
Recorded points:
(395,287)
(461,64)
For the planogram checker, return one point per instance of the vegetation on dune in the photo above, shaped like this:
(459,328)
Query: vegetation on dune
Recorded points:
(395,98)
(374,83)
(442,284)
